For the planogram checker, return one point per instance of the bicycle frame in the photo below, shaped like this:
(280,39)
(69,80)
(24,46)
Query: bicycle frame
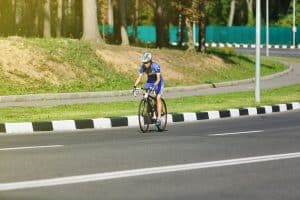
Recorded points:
(150,116)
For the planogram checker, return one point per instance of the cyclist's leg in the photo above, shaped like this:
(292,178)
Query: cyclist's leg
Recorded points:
(158,104)
(159,92)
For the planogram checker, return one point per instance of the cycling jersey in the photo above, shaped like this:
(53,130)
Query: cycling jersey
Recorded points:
(152,77)
(151,73)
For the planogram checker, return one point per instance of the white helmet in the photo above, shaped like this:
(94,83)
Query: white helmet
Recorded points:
(146,57)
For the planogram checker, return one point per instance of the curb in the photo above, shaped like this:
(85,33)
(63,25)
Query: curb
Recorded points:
(235,45)
(242,45)
(132,121)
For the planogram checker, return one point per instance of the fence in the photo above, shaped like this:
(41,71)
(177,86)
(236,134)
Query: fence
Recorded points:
(217,34)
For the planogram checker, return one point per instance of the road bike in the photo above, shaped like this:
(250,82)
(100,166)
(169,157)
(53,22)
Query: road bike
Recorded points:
(147,113)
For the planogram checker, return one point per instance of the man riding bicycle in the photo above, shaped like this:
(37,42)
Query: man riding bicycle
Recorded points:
(154,81)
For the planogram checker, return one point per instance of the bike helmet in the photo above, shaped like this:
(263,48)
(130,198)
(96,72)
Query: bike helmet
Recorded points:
(146,57)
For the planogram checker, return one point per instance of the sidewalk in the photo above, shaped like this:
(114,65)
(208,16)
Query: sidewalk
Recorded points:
(288,77)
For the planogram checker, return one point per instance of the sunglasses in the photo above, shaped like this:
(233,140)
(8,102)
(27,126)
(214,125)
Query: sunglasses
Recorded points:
(146,62)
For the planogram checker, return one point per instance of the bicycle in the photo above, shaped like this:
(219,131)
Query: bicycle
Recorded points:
(147,113)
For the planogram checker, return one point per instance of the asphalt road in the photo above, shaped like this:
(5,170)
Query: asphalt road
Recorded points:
(272,52)
(80,160)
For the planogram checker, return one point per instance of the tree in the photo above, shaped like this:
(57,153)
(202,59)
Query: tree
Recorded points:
(110,13)
(135,19)
(47,19)
(90,22)
(187,13)
(161,25)
(124,35)
(26,17)
(7,17)
(159,9)
(232,12)
(250,21)
(202,25)
(190,34)
(59,18)
(196,11)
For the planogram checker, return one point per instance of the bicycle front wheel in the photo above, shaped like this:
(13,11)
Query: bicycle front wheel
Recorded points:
(144,116)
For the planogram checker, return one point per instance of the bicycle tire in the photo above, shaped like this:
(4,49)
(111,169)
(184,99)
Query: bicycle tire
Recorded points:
(144,116)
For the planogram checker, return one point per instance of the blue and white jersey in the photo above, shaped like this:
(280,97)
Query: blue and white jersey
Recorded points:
(151,72)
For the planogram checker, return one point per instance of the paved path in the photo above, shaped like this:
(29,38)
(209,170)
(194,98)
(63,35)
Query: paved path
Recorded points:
(289,77)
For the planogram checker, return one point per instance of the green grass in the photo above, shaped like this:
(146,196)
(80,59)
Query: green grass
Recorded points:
(289,59)
(241,66)
(92,73)
(236,67)
(101,76)
(186,104)
(82,55)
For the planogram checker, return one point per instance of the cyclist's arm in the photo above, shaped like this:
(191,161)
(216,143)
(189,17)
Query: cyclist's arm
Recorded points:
(138,80)
(157,79)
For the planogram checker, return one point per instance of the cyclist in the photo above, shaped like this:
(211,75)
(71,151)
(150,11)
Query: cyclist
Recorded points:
(154,81)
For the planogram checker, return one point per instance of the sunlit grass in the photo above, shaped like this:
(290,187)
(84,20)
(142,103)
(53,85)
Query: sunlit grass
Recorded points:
(94,74)
(186,104)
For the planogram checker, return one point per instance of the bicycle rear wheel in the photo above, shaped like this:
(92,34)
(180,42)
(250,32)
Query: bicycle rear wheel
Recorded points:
(144,116)
(164,116)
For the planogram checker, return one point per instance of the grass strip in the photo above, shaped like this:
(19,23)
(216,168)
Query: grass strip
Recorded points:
(186,104)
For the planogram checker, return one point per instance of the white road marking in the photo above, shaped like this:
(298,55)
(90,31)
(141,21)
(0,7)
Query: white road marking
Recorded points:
(236,133)
(141,172)
(31,147)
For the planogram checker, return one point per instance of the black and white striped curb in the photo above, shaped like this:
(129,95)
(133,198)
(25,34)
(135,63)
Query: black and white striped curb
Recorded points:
(236,45)
(132,121)
(220,45)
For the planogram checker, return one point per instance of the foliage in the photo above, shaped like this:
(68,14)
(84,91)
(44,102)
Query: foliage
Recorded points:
(23,17)
(287,20)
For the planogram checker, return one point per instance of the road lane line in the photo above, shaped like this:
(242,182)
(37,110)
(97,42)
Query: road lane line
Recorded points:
(142,172)
(236,133)
(31,147)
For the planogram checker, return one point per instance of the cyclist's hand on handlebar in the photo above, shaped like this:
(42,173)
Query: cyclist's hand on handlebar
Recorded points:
(133,88)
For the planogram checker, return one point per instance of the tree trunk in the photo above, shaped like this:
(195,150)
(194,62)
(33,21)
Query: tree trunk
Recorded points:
(59,18)
(232,12)
(250,21)
(36,20)
(202,26)
(190,34)
(77,21)
(135,21)
(47,19)
(110,13)
(14,6)
(17,17)
(161,26)
(124,35)
(7,22)
(117,25)
(90,22)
